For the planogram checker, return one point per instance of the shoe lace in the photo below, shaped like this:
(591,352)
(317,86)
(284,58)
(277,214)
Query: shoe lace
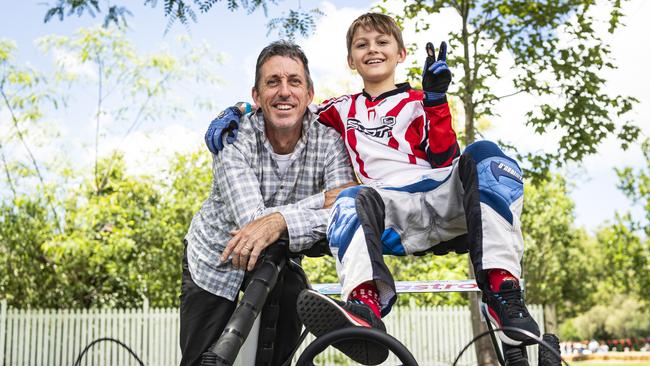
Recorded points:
(514,304)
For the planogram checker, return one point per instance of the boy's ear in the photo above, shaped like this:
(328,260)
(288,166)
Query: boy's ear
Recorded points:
(402,55)
(351,63)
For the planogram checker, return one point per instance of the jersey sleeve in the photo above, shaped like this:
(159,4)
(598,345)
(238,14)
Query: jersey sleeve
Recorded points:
(330,115)
(442,146)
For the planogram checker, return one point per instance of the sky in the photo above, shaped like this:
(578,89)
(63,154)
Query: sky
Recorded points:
(240,37)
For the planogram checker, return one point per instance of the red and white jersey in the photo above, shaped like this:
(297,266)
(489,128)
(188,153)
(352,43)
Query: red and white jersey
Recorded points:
(392,139)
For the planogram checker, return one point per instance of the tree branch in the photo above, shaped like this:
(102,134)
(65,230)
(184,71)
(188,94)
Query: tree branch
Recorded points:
(7,172)
(31,155)
(499,98)
(131,128)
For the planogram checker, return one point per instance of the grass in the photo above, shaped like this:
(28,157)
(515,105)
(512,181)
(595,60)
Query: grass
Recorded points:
(610,363)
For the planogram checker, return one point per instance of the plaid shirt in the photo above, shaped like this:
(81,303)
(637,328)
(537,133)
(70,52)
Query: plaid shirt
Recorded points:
(247,184)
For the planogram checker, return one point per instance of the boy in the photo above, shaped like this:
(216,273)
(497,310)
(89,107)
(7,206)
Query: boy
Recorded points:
(399,137)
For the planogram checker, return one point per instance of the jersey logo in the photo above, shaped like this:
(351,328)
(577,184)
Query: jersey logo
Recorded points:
(502,170)
(388,121)
(380,132)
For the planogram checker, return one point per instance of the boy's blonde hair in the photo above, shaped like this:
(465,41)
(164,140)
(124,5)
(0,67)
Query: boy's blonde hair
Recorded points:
(381,23)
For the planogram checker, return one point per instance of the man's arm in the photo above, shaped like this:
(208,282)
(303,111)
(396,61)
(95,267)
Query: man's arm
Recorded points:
(305,230)
(242,197)
(247,244)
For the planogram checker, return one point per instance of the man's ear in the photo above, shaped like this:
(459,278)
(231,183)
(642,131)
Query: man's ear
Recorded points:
(255,96)
(351,63)
(311,93)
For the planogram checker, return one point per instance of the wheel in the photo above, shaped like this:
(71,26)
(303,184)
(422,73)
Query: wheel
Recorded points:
(372,335)
(550,357)
(515,355)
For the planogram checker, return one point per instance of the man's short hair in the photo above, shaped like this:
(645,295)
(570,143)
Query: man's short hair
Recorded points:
(381,23)
(285,49)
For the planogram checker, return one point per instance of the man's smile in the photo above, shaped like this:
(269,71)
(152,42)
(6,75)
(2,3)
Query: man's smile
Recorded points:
(283,106)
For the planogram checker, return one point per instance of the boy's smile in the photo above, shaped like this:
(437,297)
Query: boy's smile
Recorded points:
(375,56)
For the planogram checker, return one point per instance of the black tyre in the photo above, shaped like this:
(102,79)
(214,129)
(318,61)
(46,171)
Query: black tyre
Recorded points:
(356,333)
(546,356)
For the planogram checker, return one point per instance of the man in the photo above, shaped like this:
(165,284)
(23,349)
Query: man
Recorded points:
(266,186)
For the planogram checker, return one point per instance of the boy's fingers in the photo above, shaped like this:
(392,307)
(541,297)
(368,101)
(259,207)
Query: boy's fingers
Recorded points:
(430,50)
(442,53)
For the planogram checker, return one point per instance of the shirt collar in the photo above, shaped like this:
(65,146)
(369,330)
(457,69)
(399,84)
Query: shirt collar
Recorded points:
(399,88)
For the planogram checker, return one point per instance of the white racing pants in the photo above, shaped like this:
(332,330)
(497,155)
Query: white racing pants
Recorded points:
(474,205)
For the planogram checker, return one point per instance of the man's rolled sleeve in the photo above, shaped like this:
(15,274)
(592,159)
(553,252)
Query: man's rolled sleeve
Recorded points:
(305,227)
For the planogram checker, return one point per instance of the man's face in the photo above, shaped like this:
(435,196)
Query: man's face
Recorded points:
(374,55)
(283,92)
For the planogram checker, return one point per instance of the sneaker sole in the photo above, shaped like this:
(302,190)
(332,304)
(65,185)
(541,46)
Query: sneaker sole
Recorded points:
(502,335)
(321,315)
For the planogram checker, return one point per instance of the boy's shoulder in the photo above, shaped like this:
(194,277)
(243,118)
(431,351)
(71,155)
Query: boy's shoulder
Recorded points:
(338,100)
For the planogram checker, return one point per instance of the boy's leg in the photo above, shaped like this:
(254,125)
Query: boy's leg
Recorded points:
(493,201)
(355,237)
(367,223)
(355,241)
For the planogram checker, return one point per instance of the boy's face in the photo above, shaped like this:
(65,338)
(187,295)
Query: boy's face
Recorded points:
(375,55)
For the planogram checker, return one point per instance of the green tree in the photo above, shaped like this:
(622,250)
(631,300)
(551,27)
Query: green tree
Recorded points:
(625,259)
(532,32)
(636,186)
(567,74)
(25,224)
(152,83)
(121,235)
(558,266)
(121,246)
(287,25)
(24,93)
(622,317)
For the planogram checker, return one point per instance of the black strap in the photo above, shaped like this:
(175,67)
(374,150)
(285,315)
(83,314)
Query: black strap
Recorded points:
(268,324)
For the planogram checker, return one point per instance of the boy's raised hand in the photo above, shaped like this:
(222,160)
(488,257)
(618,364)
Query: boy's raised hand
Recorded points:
(436,75)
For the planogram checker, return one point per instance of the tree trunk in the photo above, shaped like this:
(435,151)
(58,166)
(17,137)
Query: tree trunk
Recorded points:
(485,354)
(550,319)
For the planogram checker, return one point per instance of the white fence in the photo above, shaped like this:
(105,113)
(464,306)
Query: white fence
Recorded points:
(56,337)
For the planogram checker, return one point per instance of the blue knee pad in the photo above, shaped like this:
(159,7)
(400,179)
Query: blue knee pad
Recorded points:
(344,221)
(500,180)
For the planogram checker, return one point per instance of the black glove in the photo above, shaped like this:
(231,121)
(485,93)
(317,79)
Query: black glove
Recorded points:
(436,75)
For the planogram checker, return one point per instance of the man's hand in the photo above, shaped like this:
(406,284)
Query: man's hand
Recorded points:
(436,75)
(330,196)
(225,125)
(248,242)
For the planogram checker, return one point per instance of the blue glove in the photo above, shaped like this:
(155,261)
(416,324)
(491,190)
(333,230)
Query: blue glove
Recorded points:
(225,125)
(436,75)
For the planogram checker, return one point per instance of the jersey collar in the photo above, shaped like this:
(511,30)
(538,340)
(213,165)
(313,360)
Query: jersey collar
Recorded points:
(399,88)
